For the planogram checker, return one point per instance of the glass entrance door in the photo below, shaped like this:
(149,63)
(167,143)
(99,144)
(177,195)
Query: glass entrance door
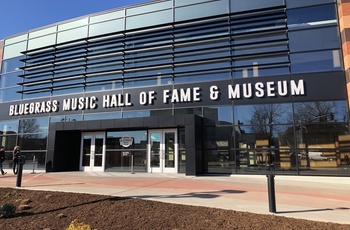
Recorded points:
(93,152)
(163,151)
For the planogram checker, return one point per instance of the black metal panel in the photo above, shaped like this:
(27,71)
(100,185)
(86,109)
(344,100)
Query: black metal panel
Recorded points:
(67,151)
(107,124)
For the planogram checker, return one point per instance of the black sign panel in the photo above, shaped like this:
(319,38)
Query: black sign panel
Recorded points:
(277,89)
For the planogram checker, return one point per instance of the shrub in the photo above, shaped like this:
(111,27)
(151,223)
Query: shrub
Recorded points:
(7,210)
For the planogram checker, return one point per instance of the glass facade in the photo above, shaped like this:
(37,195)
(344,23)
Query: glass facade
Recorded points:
(270,44)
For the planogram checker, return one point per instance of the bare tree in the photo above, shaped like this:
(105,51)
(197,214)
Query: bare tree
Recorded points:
(29,126)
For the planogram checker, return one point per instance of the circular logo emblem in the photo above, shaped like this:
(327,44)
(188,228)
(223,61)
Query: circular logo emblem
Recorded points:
(126,141)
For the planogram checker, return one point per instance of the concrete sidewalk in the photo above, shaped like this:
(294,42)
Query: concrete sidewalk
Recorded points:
(313,198)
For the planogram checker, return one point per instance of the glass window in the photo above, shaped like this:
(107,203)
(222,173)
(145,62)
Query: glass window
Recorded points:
(149,8)
(201,10)
(201,45)
(161,80)
(9,141)
(320,61)
(12,64)
(139,139)
(73,24)
(106,27)
(305,17)
(314,39)
(32,141)
(252,38)
(218,137)
(35,125)
(238,5)
(295,4)
(14,50)
(9,127)
(107,16)
(103,78)
(219,115)
(255,61)
(263,114)
(37,95)
(66,90)
(16,39)
(66,118)
(319,141)
(42,41)
(187,2)
(102,116)
(161,112)
(324,111)
(265,136)
(197,111)
(42,32)
(151,61)
(260,48)
(202,55)
(259,71)
(10,94)
(149,19)
(8,80)
(204,76)
(130,114)
(103,86)
(221,64)
(73,34)
(148,72)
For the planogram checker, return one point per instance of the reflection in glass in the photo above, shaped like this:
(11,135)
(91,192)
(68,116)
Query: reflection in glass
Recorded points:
(169,149)
(319,61)
(155,140)
(263,114)
(218,115)
(9,141)
(32,141)
(9,127)
(98,150)
(12,64)
(66,118)
(139,139)
(120,161)
(102,116)
(306,17)
(12,79)
(34,125)
(321,111)
(130,114)
(10,94)
(182,151)
(86,150)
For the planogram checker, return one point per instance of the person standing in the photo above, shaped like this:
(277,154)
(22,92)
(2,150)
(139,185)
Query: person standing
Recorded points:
(2,159)
(16,155)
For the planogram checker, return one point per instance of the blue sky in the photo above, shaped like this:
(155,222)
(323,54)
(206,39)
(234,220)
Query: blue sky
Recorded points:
(18,16)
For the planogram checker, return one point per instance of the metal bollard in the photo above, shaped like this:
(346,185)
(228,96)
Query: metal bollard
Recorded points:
(132,164)
(270,174)
(33,164)
(21,161)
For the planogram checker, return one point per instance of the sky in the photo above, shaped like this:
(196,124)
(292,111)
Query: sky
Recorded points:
(19,16)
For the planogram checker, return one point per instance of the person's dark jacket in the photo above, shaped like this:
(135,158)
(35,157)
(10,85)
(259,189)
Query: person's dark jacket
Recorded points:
(16,154)
(2,156)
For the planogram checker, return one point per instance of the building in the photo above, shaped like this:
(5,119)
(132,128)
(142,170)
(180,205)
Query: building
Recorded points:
(183,86)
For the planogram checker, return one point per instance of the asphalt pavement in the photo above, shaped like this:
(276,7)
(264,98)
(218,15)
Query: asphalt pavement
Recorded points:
(304,197)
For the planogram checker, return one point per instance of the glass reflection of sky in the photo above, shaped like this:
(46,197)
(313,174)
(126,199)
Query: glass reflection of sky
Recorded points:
(138,136)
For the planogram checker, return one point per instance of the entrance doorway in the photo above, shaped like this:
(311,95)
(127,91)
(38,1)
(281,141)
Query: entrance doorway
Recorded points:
(92,151)
(163,151)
